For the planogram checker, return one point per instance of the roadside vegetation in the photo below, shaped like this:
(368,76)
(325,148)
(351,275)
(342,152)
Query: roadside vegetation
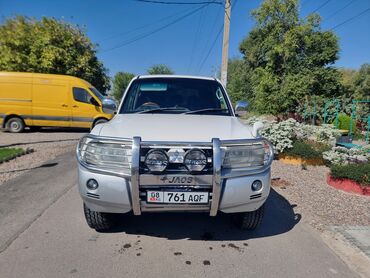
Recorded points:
(10,153)
(359,173)
(53,46)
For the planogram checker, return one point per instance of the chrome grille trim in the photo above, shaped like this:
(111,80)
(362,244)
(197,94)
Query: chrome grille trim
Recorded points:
(135,168)
(216,181)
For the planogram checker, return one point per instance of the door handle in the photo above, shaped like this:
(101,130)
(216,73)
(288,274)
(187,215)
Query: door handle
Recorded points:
(75,106)
(64,105)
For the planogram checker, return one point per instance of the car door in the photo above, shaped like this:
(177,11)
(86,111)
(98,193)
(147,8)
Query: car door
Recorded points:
(84,107)
(50,102)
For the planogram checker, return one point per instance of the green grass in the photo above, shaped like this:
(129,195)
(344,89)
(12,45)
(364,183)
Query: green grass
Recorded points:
(9,153)
(357,172)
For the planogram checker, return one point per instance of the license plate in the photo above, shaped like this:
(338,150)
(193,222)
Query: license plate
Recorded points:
(177,197)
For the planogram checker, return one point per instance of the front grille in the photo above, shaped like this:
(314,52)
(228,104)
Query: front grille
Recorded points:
(176,168)
(255,196)
(94,196)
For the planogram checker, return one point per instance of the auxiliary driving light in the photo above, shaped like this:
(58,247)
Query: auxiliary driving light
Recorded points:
(156,160)
(195,160)
(92,184)
(257,185)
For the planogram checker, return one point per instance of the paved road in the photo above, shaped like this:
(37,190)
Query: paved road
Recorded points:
(59,244)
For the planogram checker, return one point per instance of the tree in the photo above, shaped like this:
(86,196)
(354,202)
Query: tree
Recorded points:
(239,81)
(50,46)
(120,83)
(289,57)
(160,69)
(361,82)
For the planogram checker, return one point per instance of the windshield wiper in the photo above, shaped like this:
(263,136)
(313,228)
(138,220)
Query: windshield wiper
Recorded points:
(175,108)
(200,111)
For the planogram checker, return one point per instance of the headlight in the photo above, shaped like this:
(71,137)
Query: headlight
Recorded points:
(245,156)
(156,161)
(105,155)
(195,160)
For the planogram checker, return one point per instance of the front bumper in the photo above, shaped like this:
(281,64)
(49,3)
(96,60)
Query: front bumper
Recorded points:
(230,192)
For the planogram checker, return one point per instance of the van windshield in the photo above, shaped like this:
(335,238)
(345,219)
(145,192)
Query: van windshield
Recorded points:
(98,94)
(175,96)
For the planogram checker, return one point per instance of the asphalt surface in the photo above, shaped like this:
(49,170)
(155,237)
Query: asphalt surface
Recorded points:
(43,234)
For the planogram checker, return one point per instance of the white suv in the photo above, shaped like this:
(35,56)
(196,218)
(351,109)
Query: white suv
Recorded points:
(175,144)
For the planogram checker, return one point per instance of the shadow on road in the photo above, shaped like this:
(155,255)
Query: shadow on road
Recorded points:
(46,165)
(279,218)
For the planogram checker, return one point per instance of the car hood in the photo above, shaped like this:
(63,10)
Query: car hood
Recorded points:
(174,127)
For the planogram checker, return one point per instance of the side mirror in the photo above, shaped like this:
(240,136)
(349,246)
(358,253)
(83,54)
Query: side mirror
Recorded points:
(241,108)
(257,126)
(109,106)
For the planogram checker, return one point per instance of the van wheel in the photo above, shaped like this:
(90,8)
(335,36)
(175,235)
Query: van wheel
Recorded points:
(100,121)
(15,125)
(250,220)
(99,221)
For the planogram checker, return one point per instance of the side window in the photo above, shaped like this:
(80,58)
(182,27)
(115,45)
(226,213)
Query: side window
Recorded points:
(81,95)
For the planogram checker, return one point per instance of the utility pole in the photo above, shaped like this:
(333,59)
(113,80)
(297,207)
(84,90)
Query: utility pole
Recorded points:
(225,43)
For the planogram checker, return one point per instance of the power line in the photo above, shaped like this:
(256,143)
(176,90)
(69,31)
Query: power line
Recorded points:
(142,36)
(198,32)
(214,42)
(350,19)
(179,3)
(338,11)
(211,48)
(145,25)
(204,50)
(324,4)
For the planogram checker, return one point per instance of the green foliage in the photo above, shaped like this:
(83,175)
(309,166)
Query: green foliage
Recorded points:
(50,46)
(120,83)
(307,149)
(344,121)
(160,69)
(289,57)
(356,172)
(9,153)
(239,81)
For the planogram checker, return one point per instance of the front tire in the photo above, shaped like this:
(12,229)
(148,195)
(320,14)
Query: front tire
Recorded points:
(15,125)
(250,220)
(99,221)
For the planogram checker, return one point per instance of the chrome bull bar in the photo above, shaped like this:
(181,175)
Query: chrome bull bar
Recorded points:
(217,176)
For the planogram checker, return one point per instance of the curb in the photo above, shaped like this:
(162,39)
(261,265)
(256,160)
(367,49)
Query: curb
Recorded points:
(348,185)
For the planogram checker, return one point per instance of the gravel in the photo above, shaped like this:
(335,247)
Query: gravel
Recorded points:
(317,202)
(47,145)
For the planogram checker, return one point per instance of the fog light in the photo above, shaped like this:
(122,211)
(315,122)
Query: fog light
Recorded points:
(92,184)
(257,185)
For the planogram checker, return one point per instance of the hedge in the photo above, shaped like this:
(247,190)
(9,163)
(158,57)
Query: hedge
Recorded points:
(357,172)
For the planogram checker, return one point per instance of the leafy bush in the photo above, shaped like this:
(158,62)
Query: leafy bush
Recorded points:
(344,122)
(344,156)
(306,150)
(356,172)
(283,134)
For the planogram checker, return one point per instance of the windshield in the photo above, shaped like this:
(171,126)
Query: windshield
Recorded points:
(98,94)
(175,96)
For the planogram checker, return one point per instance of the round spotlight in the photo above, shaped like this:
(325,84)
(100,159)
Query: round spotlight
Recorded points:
(156,160)
(257,185)
(92,184)
(195,160)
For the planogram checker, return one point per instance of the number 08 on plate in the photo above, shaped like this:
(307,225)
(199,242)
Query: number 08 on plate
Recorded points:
(177,197)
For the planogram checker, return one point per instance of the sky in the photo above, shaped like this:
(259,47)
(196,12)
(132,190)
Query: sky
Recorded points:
(132,36)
